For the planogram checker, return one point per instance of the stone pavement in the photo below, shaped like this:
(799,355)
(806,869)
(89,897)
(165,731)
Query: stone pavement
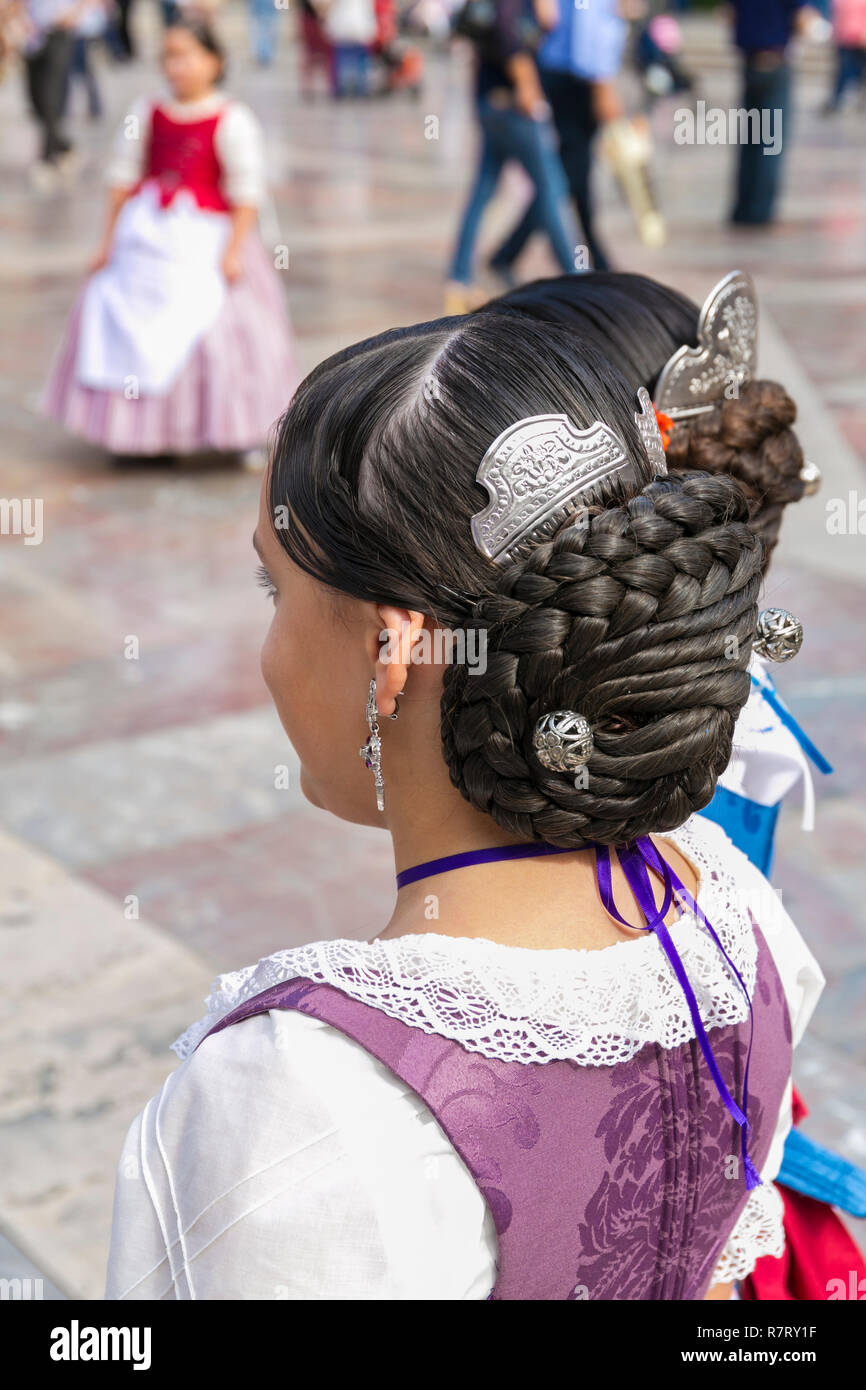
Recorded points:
(143,846)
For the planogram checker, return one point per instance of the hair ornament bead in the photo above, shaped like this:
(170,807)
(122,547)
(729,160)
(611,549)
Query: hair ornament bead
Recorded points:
(779,635)
(562,740)
(811,475)
(695,378)
(541,471)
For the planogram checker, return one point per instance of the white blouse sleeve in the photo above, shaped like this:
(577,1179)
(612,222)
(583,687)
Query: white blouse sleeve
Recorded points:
(282,1161)
(760,1226)
(241,150)
(126,161)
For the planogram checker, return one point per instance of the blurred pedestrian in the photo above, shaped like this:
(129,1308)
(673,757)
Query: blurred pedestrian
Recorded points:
(762,33)
(179,341)
(91,28)
(514,118)
(578,62)
(264,34)
(351,28)
(849,34)
(316,52)
(47,50)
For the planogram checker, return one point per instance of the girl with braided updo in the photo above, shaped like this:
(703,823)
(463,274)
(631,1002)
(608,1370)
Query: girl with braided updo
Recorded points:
(561,1070)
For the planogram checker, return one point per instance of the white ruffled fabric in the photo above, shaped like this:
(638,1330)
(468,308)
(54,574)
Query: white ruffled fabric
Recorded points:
(516,1004)
(282,1160)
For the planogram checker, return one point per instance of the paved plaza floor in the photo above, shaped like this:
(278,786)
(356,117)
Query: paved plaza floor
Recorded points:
(147,787)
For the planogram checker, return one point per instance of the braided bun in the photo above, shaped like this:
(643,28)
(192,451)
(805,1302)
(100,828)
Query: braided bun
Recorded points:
(628,619)
(751,439)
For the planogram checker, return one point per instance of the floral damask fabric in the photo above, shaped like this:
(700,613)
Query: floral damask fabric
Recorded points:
(605,1182)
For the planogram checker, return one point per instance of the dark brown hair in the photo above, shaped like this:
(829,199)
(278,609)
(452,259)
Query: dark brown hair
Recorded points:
(639,324)
(639,613)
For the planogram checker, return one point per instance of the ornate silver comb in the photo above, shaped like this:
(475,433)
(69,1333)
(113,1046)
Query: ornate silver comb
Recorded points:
(696,377)
(538,473)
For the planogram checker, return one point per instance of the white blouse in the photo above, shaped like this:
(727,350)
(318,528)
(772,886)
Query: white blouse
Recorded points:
(239,145)
(281,1160)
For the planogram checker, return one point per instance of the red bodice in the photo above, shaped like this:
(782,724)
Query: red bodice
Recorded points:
(182,154)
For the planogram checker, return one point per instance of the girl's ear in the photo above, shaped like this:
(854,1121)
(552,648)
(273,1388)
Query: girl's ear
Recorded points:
(398,632)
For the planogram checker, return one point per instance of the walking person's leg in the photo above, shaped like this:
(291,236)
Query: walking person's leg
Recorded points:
(571,100)
(749,156)
(55,84)
(533,144)
(487,173)
(47,85)
(767,91)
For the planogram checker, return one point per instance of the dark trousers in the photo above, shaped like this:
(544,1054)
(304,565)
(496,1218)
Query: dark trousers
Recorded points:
(125,44)
(47,76)
(571,102)
(850,68)
(759,174)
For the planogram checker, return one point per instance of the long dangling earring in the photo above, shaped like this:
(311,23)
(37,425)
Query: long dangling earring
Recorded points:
(371,752)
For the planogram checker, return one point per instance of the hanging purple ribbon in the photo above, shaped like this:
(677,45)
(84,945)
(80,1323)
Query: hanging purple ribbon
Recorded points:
(636,859)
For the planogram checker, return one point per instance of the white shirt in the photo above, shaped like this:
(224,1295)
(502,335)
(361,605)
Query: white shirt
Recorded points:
(281,1160)
(239,145)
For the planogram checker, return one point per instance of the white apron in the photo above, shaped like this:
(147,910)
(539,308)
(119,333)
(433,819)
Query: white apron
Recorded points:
(162,290)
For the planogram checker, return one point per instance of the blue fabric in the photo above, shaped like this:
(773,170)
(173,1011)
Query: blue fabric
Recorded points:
(761,24)
(589,40)
(772,697)
(809,1168)
(748,824)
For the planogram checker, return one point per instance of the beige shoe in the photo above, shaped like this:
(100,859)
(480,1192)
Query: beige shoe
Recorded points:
(462,299)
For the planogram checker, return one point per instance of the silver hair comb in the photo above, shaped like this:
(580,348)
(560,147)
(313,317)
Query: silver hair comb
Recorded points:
(542,470)
(727,351)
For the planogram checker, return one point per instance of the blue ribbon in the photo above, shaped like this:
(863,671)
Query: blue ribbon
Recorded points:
(790,723)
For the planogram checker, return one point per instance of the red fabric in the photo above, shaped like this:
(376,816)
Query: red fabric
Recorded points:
(182,154)
(818,1251)
(799,1109)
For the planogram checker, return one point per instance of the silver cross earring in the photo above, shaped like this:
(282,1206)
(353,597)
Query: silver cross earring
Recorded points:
(371,751)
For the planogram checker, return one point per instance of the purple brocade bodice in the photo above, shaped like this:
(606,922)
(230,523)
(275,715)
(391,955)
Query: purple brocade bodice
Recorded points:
(604,1182)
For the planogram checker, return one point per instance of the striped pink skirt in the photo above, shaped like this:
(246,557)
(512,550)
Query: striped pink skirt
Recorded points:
(238,380)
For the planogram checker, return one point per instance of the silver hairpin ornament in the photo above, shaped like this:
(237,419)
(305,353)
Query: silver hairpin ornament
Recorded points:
(695,378)
(562,740)
(779,635)
(648,425)
(539,471)
(810,476)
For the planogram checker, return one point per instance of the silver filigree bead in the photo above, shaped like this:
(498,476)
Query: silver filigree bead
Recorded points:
(562,740)
(779,635)
(810,475)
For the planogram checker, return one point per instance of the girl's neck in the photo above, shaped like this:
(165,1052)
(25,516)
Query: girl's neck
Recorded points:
(204,95)
(541,903)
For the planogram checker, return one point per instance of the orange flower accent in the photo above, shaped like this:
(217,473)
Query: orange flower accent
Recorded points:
(666,425)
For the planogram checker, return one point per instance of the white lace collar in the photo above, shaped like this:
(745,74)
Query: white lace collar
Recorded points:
(515,1003)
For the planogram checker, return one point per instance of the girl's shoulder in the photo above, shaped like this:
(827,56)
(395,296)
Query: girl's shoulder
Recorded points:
(520,1004)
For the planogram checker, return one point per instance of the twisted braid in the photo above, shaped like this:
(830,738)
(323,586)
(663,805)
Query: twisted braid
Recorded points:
(750,437)
(629,619)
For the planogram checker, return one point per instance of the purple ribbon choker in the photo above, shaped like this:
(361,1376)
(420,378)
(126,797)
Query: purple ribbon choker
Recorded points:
(637,859)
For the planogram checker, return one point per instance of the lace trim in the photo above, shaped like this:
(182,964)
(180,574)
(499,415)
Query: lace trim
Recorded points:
(513,1003)
(759,1231)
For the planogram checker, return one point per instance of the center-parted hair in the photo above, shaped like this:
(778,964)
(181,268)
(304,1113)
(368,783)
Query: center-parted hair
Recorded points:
(639,614)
